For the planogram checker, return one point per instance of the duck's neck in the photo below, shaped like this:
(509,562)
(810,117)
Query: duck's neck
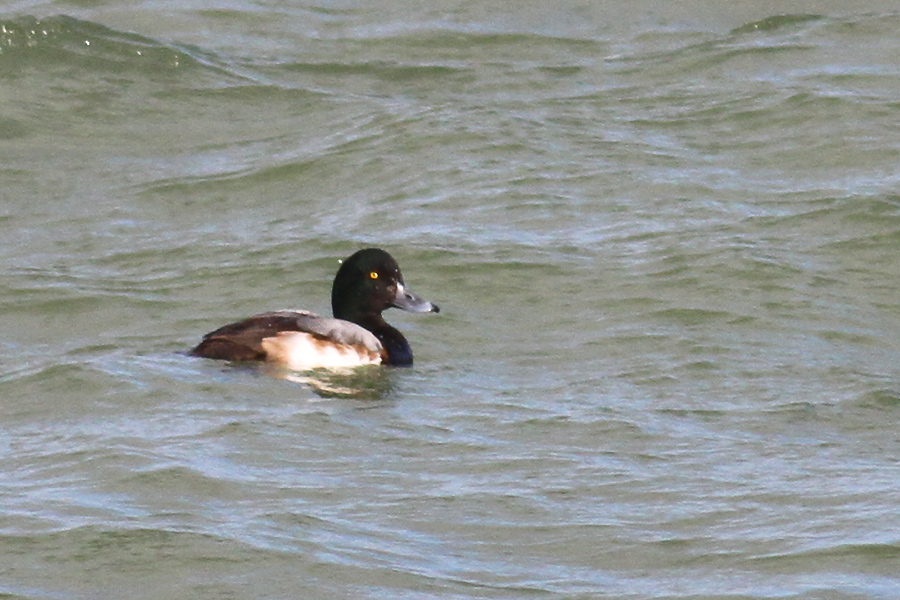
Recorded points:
(397,348)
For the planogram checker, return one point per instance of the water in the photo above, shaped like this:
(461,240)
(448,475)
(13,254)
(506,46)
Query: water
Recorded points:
(664,241)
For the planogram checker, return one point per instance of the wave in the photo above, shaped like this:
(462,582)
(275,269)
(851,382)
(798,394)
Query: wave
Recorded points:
(66,42)
(402,55)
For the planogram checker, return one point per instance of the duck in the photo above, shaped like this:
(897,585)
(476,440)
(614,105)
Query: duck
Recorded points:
(366,284)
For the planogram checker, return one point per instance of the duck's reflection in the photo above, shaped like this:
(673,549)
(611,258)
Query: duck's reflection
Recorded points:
(363,383)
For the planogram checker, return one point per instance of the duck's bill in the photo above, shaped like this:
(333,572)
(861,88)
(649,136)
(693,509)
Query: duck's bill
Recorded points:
(406,300)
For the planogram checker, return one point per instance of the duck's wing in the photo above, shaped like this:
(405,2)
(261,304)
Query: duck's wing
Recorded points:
(261,336)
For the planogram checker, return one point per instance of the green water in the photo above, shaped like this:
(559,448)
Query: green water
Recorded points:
(664,241)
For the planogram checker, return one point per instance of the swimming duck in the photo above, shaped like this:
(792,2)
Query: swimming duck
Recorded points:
(366,284)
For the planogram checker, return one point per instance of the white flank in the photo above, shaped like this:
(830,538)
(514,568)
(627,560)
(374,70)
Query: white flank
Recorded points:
(299,351)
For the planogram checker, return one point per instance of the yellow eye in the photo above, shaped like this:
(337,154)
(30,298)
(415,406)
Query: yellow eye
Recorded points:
(373,275)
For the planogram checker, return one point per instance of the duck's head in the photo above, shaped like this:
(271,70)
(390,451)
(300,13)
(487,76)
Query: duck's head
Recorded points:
(370,282)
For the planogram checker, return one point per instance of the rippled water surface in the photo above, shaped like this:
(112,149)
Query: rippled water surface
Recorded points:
(665,243)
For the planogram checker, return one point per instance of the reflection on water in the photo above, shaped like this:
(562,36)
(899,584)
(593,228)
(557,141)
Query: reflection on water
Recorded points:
(370,382)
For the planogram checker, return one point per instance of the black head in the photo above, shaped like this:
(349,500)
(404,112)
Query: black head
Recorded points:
(369,282)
